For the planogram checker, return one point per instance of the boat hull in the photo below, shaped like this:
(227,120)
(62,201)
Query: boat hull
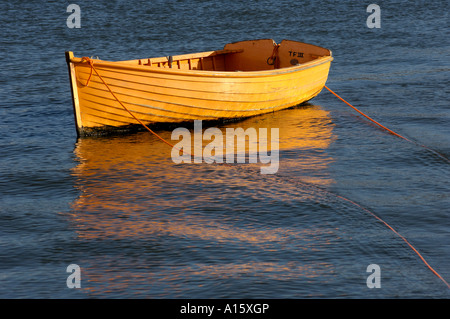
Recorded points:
(173,95)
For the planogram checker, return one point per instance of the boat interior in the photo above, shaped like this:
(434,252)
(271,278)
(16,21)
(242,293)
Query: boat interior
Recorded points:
(254,55)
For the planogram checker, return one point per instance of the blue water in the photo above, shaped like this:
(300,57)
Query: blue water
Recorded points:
(140,226)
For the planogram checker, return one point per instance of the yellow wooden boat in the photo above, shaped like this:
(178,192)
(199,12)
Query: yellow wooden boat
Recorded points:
(244,79)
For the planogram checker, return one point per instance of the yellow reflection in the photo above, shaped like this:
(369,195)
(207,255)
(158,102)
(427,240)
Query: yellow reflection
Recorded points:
(131,189)
(303,127)
(123,180)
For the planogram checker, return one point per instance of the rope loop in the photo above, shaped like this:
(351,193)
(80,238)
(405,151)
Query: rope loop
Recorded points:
(274,55)
(272,59)
(91,63)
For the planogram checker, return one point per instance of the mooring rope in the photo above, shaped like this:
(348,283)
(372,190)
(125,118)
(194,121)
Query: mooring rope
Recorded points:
(367,210)
(385,128)
(91,63)
(305,184)
(394,231)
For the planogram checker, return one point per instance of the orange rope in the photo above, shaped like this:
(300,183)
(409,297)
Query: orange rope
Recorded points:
(365,209)
(274,57)
(403,238)
(91,63)
(385,128)
(382,221)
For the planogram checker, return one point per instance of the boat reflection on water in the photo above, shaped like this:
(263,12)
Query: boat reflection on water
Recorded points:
(130,189)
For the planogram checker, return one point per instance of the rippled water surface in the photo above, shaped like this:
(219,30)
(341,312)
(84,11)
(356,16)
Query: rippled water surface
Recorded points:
(140,226)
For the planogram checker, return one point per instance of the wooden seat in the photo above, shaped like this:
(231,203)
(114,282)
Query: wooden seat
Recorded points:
(197,61)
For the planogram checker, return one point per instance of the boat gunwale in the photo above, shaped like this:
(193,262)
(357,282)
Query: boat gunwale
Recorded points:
(207,73)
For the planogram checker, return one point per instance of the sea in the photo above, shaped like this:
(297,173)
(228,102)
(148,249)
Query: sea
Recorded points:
(352,212)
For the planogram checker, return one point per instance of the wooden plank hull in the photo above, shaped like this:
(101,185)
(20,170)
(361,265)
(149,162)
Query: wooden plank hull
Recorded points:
(187,91)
